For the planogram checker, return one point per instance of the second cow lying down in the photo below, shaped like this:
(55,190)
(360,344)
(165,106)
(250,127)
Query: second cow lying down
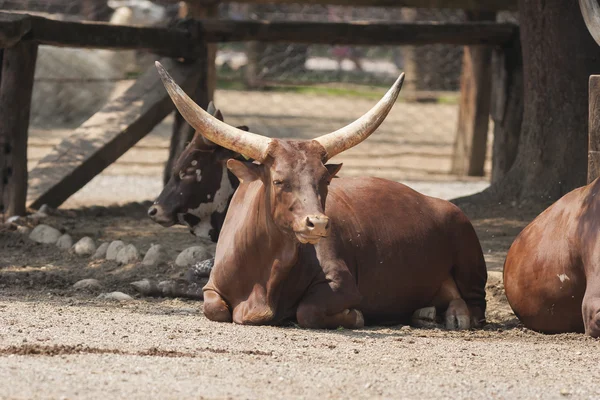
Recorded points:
(299,243)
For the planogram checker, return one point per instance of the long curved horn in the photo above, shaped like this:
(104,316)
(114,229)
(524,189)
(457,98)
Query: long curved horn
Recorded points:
(249,144)
(591,15)
(351,135)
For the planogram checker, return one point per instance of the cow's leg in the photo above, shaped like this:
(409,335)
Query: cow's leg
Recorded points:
(215,308)
(315,316)
(331,303)
(591,309)
(457,313)
(470,272)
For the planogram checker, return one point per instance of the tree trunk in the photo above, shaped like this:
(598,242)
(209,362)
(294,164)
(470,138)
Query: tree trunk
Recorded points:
(559,55)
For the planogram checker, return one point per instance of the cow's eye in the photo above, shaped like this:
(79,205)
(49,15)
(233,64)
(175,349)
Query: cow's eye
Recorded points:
(277,182)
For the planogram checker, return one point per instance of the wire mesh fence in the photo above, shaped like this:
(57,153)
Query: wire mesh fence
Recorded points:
(279,90)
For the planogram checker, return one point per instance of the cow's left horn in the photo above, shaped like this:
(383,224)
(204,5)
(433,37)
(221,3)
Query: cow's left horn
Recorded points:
(249,144)
(351,135)
(591,15)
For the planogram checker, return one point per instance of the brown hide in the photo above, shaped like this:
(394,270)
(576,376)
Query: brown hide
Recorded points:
(388,253)
(552,270)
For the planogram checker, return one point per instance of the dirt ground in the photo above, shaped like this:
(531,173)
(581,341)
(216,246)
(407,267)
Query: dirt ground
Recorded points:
(56,342)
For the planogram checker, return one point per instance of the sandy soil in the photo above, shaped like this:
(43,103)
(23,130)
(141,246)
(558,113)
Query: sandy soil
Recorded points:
(56,342)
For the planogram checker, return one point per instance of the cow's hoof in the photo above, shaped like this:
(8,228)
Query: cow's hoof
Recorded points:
(593,328)
(458,316)
(424,317)
(360,320)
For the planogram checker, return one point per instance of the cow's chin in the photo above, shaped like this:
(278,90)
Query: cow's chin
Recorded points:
(166,223)
(308,239)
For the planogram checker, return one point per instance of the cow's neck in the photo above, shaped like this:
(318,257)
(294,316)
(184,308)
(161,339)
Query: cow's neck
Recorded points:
(263,255)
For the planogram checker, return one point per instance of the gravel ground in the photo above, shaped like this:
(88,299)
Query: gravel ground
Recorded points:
(70,348)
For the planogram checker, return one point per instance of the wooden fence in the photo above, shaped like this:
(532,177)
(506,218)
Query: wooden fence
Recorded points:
(124,121)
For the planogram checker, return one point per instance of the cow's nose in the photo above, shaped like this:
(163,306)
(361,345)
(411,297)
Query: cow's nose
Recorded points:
(152,211)
(317,224)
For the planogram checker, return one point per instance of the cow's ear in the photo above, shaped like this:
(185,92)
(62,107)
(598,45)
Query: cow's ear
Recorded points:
(219,115)
(333,168)
(245,171)
(244,128)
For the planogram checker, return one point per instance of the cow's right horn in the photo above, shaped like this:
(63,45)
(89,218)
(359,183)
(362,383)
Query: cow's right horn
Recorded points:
(591,15)
(249,144)
(351,135)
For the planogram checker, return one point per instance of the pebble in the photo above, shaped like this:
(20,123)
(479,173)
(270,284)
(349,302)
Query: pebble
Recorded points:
(45,234)
(23,230)
(64,242)
(12,219)
(113,249)
(36,216)
(146,287)
(128,254)
(87,284)
(85,246)
(120,296)
(191,255)
(44,209)
(155,255)
(100,251)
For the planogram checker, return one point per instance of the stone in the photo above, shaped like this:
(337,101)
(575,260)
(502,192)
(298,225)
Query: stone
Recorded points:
(100,251)
(128,254)
(113,249)
(85,246)
(12,219)
(36,216)
(191,255)
(64,242)
(146,287)
(23,230)
(44,209)
(87,284)
(45,234)
(119,296)
(155,255)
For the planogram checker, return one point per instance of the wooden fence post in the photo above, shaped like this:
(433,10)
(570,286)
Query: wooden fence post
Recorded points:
(507,106)
(182,132)
(16,86)
(470,144)
(594,129)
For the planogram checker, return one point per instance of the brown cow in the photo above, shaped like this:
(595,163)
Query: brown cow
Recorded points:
(200,187)
(382,252)
(552,270)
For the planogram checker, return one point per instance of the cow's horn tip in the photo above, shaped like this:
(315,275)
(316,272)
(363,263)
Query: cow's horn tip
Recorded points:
(401,78)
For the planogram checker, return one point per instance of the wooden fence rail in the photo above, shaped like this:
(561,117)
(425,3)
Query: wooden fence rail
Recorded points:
(186,40)
(471,5)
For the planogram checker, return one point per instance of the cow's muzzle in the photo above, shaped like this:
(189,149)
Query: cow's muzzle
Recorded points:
(157,214)
(315,228)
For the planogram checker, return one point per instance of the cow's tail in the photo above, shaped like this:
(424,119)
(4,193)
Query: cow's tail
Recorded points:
(470,271)
(189,287)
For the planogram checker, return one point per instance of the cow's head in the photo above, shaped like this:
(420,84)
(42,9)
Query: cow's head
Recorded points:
(199,188)
(295,174)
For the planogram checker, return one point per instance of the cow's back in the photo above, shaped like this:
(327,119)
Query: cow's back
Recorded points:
(543,273)
(400,245)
